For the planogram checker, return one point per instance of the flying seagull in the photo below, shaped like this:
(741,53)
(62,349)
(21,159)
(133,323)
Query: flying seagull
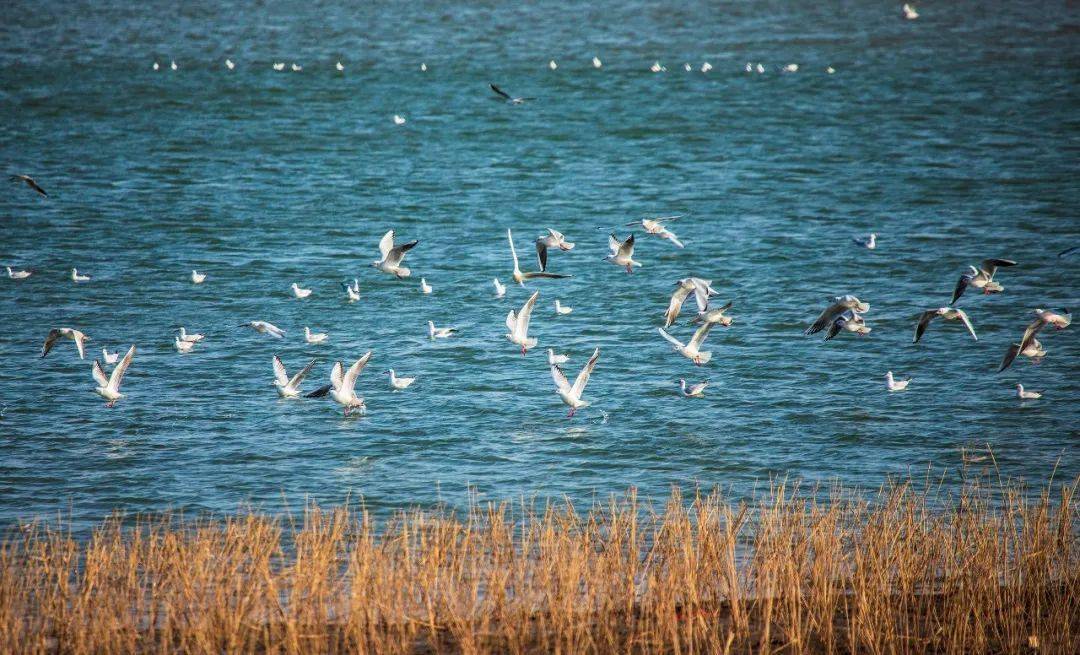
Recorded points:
(980,278)
(506,96)
(518,324)
(839,305)
(947,313)
(702,289)
(29,182)
(552,240)
(655,226)
(1029,346)
(109,387)
(262,327)
(691,349)
(518,275)
(849,320)
(289,387)
(571,395)
(78,337)
(716,315)
(622,252)
(392,255)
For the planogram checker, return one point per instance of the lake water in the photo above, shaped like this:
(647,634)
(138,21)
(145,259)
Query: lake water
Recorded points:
(953,137)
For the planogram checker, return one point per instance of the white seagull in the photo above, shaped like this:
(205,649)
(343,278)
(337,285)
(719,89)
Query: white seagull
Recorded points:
(398,119)
(423,67)
(518,275)
(279,66)
(183,346)
(554,359)
(76,277)
(344,384)
(197,277)
(424,286)
(109,387)
(949,314)
(596,63)
(571,395)
(980,278)
(156,66)
(298,292)
(399,383)
(352,290)
(895,385)
(849,320)
(439,333)
(694,390)
(78,337)
(839,305)
(297,68)
(289,387)
(17,275)
(1026,395)
(173,65)
(714,316)
(622,252)
(1029,346)
(655,226)
(339,66)
(560,309)
(656,67)
(229,64)
(1033,349)
(553,239)
(263,327)
(313,337)
(391,255)
(683,288)
(692,349)
(869,242)
(518,324)
(552,65)
(500,288)
(706,67)
(191,338)
(909,12)
(110,358)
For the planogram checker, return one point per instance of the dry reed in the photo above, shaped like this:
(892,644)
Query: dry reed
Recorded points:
(896,571)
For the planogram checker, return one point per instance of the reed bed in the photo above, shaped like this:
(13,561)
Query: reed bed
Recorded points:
(898,570)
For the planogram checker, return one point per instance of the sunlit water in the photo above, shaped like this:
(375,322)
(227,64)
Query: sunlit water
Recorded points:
(953,137)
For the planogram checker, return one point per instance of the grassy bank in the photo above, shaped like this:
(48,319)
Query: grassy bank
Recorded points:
(896,571)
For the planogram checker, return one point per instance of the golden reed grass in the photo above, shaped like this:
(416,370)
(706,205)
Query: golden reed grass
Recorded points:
(895,571)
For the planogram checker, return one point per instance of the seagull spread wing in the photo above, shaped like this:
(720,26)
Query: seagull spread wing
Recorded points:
(584,375)
(121,368)
(924,320)
(280,376)
(336,375)
(967,323)
(386,244)
(99,375)
(348,383)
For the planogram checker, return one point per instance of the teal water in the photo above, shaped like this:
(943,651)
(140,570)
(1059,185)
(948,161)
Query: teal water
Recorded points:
(954,138)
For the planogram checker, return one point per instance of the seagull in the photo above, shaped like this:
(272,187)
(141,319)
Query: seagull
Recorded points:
(289,387)
(869,242)
(687,68)
(552,65)
(830,70)
(948,313)
(840,303)
(849,320)
(1029,346)
(1026,395)
(424,286)
(392,256)
(749,67)
(981,278)
(760,68)
(298,292)
(692,349)
(560,309)
(297,68)
(909,12)
(156,66)
(554,359)
(622,252)
(339,66)
(519,276)
(197,277)
(682,290)
(791,68)
(68,333)
(399,383)
(439,333)
(571,395)
(694,390)
(656,67)
(353,290)
(75,277)
(17,275)
(656,226)
(344,385)
(229,64)
(716,316)
(500,288)
(110,358)
(552,240)
(173,65)
(279,66)
(506,96)
(183,346)
(596,63)
(895,385)
(29,181)
(706,67)
(263,327)
(518,324)
(399,120)
(109,387)
(313,337)
(191,338)
(423,67)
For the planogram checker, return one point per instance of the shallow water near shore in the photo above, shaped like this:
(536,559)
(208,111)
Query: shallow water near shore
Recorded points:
(952,137)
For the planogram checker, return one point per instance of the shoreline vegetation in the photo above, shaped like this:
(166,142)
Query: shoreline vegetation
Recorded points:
(993,568)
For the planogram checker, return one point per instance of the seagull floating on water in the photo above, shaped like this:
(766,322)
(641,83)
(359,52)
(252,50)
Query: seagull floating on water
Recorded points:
(622,252)
(518,275)
(352,290)
(500,288)
(109,387)
(192,338)
(1026,395)
(554,358)
(791,68)
(339,66)
(909,12)
(895,385)
(506,96)
(197,277)
(552,65)
(561,309)
(981,278)
(76,277)
(289,387)
(596,63)
(439,333)
(706,67)
(518,324)
(424,286)
(279,66)
(313,337)
(17,275)
(869,242)
(760,68)
(423,67)
(110,358)
(693,390)
(173,65)
(183,346)
(229,64)
(399,120)
(692,349)
(298,292)
(839,305)
(553,239)
(571,394)
(297,68)
(29,181)
(399,383)
(67,333)
(156,66)
(656,67)
(947,313)
(392,256)
(262,327)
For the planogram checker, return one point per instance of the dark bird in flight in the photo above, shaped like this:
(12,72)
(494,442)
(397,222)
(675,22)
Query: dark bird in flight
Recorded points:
(506,96)
(30,183)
